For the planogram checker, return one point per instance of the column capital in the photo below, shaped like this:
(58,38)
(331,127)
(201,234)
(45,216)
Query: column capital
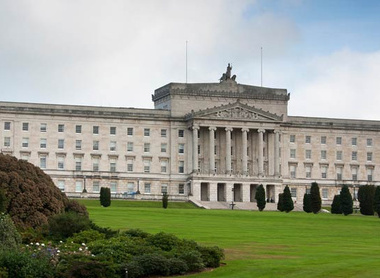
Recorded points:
(229,129)
(277,131)
(195,127)
(245,129)
(212,128)
(261,130)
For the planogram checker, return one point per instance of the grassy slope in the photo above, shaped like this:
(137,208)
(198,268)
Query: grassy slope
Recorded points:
(261,244)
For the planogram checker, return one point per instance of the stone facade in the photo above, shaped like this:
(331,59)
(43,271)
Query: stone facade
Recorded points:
(207,142)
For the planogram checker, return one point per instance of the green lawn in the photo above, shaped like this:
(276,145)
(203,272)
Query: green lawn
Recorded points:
(260,244)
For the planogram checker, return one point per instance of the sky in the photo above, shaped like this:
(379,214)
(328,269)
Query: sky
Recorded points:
(326,53)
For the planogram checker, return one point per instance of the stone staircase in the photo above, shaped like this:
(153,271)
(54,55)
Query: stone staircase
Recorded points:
(237,206)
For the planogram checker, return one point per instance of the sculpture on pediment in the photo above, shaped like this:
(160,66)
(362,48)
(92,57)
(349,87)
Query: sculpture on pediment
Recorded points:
(236,113)
(227,76)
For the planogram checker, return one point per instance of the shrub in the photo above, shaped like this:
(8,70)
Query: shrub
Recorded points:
(280,204)
(4,202)
(86,236)
(315,198)
(177,266)
(74,206)
(211,256)
(336,206)
(108,232)
(376,202)
(366,196)
(105,196)
(164,241)
(65,225)
(346,200)
(287,200)
(9,236)
(307,203)
(193,259)
(165,200)
(260,197)
(151,264)
(136,233)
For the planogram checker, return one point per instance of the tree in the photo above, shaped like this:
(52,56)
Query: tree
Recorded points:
(105,196)
(346,200)
(260,197)
(280,204)
(315,198)
(3,201)
(307,203)
(336,207)
(366,196)
(376,201)
(165,200)
(9,236)
(287,200)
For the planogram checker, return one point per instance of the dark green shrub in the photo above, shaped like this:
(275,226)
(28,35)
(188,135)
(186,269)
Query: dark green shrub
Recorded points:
(336,206)
(86,236)
(29,235)
(366,195)
(136,233)
(260,197)
(315,198)
(108,232)
(62,226)
(165,200)
(177,266)
(307,203)
(164,241)
(193,260)
(105,196)
(153,264)
(211,256)
(280,204)
(346,200)
(9,236)
(376,202)
(287,200)
(134,269)
(74,206)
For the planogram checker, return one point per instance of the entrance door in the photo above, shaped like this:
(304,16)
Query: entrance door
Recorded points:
(237,193)
(221,192)
(204,191)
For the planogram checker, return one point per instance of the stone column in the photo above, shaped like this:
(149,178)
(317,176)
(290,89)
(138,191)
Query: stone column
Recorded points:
(276,153)
(195,149)
(260,152)
(244,151)
(212,149)
(228,149)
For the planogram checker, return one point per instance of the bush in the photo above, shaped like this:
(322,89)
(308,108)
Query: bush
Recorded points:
(164,241)
(105,196)
(9,236)
(260,197)
(193,260)
(177,266)
(280,204)
(287,200)
(336,206)
(346,201)
(4,202)
(315,198)
(151,264)
(165,200)
(136,233)
(74,206)
(366,195)
(307,203)
(108,232)
(86,236)
(65,225)
(376,202)
(211,256)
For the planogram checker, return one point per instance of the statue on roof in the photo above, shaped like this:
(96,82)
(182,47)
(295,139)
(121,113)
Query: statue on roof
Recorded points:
(227,76)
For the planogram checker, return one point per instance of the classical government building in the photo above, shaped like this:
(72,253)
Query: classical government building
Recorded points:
(207,142)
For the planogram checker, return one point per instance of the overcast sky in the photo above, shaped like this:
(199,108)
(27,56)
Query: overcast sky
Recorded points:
(115,53)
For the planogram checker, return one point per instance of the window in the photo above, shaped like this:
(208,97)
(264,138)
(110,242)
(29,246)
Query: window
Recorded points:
(354,172)
(323,154)
(308,154)
(113,146)
(113,165)
(129,146)
(78,164)
(146,166)
(95,164)
(308,171)
(43,162)
(78,186)
(25,142)
(325,193)
(181,189)
(164,188)
(146,131)
(199,149)
(25,126)
(181,133)
(354,155)
(95,145)
(307,139)
(61,162)
(146,147)
(61,185)
(163,132)
(113,186)
(292,138)
(354,141)
(43,143)
(7,141)
(95,129)
(324,171)
(61,128)
(369,142)
(369,156)
(113,130)
(43,127)
(130,131)
(369,174)
(164,166)
(292,153)
(339,155)
(323,140)
(292,170)
(7,126)
(95,186)
(130,187)
(61,143)
(339,140)
(129,164)
(147,188)
(339,172)
(181,148)
(78,144)
(78,129)
(181,167)
(164,147)
(293,192)
(25,156)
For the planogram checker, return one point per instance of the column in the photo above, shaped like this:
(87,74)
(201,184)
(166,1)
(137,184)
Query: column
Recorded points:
(260,152)
(244,151)
(228,149)
(212,149)
(276,153)
(195,149)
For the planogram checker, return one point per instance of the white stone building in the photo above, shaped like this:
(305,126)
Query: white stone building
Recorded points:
(206,142)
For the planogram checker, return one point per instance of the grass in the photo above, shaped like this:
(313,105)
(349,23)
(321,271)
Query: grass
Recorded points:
(260,244)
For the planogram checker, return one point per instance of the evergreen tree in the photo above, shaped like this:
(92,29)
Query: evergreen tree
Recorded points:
(165,200)
(376,201)
(105,196)
(260,197)
(280,204)
(307,203)
(287,200)
(315,198)
(336,207)
(366,196)
(346,200)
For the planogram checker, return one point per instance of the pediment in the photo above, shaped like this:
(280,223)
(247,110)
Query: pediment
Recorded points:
(235,111)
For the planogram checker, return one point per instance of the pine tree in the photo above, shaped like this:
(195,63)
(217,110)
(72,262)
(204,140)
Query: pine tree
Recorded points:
(280,204)
(287,200)
(366,196)
(307,203)
(336,207)
(315,198)
(260,197)
(165,200)
(105,196)
(376,201)
(346,200)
